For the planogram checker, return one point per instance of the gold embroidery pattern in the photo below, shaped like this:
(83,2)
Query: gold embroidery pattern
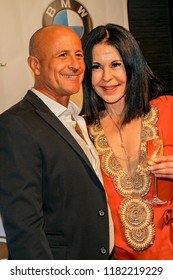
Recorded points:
(141,235)
(140,240)
(135,214)
(136,217)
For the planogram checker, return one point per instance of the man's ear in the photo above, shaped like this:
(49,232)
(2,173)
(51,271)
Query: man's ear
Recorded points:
(34,64)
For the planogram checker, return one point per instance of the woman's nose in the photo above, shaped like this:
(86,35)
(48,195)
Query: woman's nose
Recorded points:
(107,74)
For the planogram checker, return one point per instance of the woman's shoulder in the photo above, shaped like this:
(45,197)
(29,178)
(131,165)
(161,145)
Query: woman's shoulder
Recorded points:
(163,100)
(164,105)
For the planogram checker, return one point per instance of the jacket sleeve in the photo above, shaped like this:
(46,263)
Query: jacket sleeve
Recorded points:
(21,191)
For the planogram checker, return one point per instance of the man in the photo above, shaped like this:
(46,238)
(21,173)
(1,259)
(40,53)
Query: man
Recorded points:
(52,202)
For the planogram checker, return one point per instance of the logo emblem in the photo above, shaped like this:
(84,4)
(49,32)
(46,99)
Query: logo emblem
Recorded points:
(69,13)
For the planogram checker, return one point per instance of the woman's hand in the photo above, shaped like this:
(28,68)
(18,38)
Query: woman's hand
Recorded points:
(163,167)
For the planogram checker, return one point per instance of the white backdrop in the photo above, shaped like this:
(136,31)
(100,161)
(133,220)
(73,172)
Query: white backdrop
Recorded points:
(19,19)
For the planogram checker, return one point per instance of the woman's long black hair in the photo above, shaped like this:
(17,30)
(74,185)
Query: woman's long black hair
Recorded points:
(142,84)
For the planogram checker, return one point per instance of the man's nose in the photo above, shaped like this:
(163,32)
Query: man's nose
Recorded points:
(74,64)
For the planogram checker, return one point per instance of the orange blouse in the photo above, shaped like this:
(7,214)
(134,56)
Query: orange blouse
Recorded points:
(160,232)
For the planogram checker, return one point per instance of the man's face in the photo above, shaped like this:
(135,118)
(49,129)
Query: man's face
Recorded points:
(61,65)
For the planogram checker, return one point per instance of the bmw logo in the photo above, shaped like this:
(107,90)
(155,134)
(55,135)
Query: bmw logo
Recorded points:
(69,13)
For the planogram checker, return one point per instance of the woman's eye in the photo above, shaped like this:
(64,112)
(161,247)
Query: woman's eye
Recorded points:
(96,66)
(116,64)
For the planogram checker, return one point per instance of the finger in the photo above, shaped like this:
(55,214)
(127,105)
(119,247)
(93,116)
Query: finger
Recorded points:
(163,159)
(162,166)
(164,173)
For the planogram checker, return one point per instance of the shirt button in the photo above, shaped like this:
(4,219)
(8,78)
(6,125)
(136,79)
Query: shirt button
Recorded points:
(101,212)
(103,250)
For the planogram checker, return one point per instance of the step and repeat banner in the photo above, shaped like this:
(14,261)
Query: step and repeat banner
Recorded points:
(19,19)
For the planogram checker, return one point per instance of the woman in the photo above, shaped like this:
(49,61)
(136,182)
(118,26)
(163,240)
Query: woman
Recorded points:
(124,108)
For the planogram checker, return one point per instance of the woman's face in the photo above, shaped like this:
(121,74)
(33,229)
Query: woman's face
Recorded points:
(108,73)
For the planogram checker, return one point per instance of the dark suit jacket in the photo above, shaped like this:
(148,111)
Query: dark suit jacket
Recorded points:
(52,203)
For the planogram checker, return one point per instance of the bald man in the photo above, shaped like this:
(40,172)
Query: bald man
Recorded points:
(51,195)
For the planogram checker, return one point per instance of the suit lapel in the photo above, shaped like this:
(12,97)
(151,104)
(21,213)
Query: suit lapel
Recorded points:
(46,114)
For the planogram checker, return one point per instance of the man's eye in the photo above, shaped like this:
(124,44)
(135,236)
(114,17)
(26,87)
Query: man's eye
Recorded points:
(63,54)
(80,55)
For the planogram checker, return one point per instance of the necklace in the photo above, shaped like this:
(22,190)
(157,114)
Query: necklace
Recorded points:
(127,157)
(119,131)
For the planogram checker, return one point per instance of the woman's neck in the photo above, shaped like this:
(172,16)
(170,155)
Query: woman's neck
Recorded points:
(116,113)
(116,119)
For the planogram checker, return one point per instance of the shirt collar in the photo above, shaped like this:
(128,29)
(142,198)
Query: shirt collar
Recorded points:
(58,109)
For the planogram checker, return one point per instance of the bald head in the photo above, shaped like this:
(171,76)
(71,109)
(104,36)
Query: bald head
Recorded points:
(57,61)
(43,36)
